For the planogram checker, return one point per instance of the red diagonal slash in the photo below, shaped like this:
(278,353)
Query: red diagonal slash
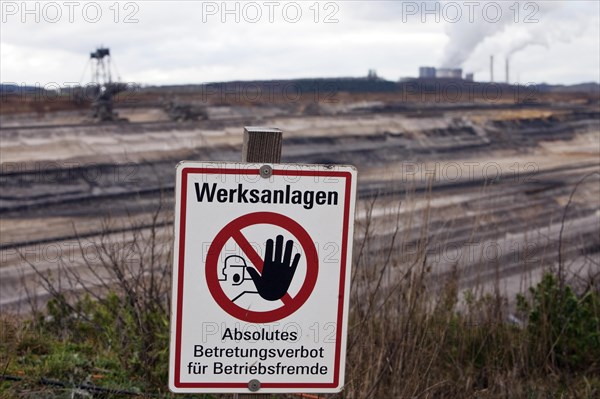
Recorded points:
(255,258)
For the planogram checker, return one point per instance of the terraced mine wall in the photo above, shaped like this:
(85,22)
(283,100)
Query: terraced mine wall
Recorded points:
(490,189)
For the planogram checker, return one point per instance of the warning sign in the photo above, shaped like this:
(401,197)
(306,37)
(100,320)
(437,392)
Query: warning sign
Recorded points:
(261,277)
(270,278)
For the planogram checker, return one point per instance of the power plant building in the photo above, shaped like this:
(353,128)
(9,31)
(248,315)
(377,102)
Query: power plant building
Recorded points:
(452,73)
(427,72)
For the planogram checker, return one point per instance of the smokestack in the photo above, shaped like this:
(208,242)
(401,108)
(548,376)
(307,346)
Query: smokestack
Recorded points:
(507,76)
(491,68)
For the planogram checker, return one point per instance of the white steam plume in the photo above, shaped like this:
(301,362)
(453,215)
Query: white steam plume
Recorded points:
(556,22)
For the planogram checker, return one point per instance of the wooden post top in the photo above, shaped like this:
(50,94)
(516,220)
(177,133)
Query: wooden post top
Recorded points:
(262,144)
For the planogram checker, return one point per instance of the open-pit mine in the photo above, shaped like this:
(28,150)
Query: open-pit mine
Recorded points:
(498,190)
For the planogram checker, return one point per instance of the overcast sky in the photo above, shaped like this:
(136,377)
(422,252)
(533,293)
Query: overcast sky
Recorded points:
(177,42)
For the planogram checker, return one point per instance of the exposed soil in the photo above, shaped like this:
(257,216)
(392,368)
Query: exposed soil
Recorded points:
(493,176)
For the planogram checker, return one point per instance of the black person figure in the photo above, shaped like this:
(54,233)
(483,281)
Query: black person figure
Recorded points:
(234,273)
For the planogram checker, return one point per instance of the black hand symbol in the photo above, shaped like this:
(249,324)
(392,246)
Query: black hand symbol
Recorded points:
(277,272)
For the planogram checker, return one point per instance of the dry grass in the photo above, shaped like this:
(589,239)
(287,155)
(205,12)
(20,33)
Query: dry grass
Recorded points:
(414,336)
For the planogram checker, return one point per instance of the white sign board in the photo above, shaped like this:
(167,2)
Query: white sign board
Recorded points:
(261,277)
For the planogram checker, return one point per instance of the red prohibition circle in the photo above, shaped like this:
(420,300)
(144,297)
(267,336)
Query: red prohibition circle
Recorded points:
(233,230)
